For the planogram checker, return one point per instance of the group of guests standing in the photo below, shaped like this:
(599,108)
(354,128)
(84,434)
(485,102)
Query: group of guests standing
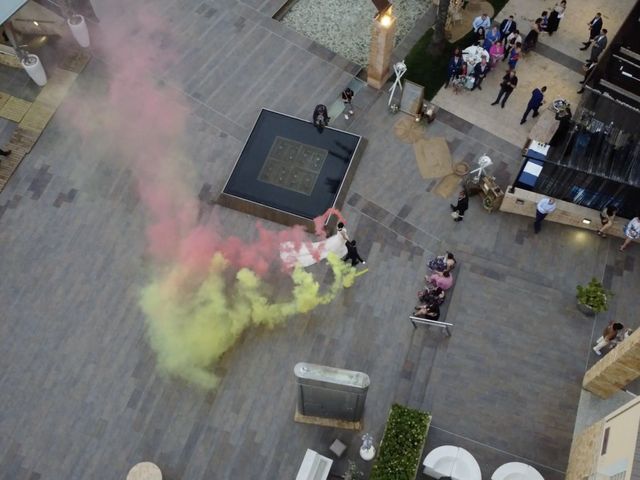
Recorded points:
(598,41)
(504,42)
(437,282)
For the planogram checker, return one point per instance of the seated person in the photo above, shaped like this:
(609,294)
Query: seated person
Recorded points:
(442,263)
(443,280)
(430,312)
(320,117)
(430,296)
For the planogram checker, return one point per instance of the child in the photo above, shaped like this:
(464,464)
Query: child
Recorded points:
(347,95)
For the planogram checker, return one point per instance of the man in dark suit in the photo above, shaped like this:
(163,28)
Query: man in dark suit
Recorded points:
(595,26)
(461,206)
(599,44)
(352,254)
(507,26)
(479,72)
(536,100)
(588,69)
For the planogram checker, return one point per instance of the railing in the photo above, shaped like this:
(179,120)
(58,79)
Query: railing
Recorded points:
(415,321)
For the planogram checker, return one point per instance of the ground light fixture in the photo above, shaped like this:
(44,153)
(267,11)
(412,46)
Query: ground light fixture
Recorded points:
(586,221)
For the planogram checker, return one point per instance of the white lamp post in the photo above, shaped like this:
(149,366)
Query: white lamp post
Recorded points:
(79,30)
(367,450)
(32,65)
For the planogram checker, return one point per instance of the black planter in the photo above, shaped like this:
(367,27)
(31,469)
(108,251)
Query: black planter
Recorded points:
(586,309)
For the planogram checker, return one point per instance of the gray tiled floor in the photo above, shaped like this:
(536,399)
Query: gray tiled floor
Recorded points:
(79,394)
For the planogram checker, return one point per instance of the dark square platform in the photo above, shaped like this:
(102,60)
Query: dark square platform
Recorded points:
(290,173)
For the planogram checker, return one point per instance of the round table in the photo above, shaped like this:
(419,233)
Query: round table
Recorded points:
(145,471)
(472,55)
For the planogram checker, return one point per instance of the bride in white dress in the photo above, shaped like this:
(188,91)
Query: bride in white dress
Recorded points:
(309,253)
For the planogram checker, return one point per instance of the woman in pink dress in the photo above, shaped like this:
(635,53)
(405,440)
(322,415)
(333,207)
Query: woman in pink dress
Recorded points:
(443,280)
(497,53)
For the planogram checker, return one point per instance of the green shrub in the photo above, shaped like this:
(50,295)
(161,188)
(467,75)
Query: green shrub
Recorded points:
(594,296)
(401,445)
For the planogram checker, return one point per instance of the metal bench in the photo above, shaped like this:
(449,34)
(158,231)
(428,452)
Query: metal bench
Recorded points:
(444,308)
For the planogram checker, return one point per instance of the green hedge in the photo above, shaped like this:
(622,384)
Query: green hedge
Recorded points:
(402,444)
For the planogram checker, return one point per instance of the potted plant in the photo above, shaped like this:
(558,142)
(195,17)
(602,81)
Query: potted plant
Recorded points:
(593,298)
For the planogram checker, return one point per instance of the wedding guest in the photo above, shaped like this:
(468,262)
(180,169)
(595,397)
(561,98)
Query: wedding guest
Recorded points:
(479,37)
(512,40)
(599,44)
(609,334)
(544,207)
(497,53)
(514,55)
(461,206)
(482,21)
(607,216)
(531,40)
(454,69)
(509,82)
(320,117)
(347,95)
(442,263)
(491,37)
(631,231)
(556,15)
(430,312)
(430,296)
(443,280)
(537,99)
(480,72)
(588,69)
(595,25)
(507,27)
(544,16)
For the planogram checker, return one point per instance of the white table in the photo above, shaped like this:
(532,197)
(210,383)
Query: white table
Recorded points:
(145,471)
(451,461)
(473,55)
(516,471)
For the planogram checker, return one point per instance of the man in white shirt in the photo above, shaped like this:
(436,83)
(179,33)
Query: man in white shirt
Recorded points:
(545,206)
(481,21)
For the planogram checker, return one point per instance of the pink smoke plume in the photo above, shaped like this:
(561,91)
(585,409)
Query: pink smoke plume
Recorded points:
(206,286)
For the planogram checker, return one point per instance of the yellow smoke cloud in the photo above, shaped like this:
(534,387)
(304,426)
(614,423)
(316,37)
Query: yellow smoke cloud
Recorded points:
(189,331)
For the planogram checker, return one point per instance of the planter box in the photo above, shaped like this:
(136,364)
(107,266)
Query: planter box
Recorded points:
(402,444)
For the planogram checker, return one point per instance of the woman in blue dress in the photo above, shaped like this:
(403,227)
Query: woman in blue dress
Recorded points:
(490,38)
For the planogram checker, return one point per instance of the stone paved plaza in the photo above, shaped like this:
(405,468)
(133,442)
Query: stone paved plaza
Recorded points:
(80,397)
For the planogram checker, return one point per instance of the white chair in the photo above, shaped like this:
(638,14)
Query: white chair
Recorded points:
(516,471)
(466,467)
(450,461)
(439,461)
